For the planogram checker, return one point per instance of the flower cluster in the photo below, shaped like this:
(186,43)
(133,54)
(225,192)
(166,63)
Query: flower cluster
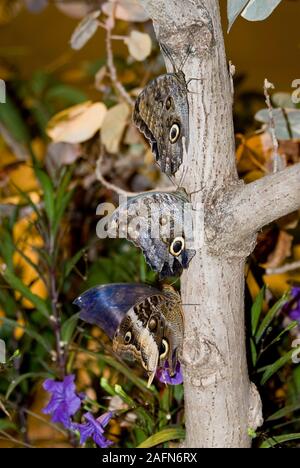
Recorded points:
(163,375)
(65,402)
(294,304)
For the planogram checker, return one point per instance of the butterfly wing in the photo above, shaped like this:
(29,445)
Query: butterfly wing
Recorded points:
(151,318)
(141,332)
(153,222)
(173,313)
(162,108)
(107,305)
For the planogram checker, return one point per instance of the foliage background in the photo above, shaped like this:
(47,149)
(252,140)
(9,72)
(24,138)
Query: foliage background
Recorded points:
(49,193)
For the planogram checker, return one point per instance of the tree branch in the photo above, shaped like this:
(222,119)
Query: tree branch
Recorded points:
(244,211)
(218,399)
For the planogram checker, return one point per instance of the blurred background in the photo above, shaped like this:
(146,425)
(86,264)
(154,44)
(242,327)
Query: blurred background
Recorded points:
(67,144)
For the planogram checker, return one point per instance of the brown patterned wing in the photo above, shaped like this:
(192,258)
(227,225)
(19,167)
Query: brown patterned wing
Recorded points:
(146,335)
(161,225)
(162,114)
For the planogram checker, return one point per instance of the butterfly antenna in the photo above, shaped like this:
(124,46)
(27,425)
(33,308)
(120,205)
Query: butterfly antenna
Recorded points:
(174,282)
(167,53)
(188,53)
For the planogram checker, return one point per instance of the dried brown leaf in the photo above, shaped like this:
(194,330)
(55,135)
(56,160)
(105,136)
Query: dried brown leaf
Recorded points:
(282,251)
(78,123)
(113,127)
(85,30)
(127,10)
(139,45)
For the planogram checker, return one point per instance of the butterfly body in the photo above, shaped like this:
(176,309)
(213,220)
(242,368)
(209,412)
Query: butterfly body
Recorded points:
(162,114)
(147,322)
(161,225)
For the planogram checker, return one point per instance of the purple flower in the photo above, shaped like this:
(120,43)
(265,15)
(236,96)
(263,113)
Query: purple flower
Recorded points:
(64,401)
(94,428)
(294,309)
(163,375)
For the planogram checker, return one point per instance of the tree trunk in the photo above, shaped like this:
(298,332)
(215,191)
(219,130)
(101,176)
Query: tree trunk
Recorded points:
(220,402)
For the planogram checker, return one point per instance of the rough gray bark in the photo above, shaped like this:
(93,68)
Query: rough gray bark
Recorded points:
(220,402)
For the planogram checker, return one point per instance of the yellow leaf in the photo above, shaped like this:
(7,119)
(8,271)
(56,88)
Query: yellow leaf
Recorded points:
(78,123)
(73,8)
(252,176)
(278,284)
(18,331)
(24,178)
(2,314)
(252,285)
(24,228)
(113,127)
(139,45)
(127,10)
(296,251)
(38,288)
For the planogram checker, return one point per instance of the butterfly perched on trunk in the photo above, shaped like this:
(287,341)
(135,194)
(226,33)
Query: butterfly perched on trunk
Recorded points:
(162,114)
(161,225)
(145,323)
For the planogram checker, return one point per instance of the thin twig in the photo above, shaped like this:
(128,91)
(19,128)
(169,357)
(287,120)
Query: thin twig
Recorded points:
(110,60)
(109,185)
(272,126)
(283,269)
(15,441)
(122,192)
(53,294)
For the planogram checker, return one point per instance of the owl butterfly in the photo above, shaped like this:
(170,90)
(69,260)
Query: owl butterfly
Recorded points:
(145,323)
(161,225)
(161,113)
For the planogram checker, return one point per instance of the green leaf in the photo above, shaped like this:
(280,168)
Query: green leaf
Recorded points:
(110,361)
(69,327)
(290,327)
(7,247)
(12,120)
(170,433)
(253,352)
(258,10)
(33,334)
(8,303)
(28,201)
(286,122)
(273,368)
(234,9)
(6,425)
(67,94)
(18,285)
(273,441)
(70,264)
(48,191)
(269,318)
(284,412)
(256,310)
(61,205)
(143,415)
(251,10)
(21,378)
(107,387)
